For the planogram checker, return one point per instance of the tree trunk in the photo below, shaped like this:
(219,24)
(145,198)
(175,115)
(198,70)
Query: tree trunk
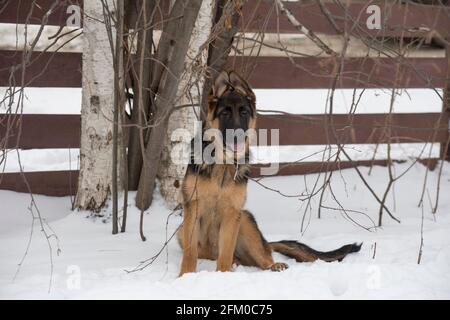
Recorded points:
(94,182)
(177,48)
(141,86)
(226,19)
(189,92)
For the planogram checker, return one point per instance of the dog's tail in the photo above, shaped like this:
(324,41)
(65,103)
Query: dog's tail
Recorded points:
(302,253)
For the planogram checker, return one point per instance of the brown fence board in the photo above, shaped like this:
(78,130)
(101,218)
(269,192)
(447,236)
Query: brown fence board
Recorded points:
(287,169)
(64,183)
(357,129)
(408,20)
(49,183)
(17,11)
(299,168)
(46,69)
(63,131)
(257,15)
(315,73)
(40,131)
(49,69)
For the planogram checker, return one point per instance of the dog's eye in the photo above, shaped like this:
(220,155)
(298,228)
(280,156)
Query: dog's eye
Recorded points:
(225,113)
(243,112)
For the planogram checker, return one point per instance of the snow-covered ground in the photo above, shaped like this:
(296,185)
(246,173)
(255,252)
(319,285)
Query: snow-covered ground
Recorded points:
(92,262)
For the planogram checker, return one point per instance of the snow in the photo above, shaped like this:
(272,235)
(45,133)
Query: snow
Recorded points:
(314,101)
(92,262)
(297,101)
(41,160)
(68,159)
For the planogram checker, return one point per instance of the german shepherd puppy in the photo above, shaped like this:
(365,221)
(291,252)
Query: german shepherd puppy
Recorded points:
(215,225)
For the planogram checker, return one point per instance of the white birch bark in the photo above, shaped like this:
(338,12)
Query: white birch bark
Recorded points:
(171,174)
(94,182)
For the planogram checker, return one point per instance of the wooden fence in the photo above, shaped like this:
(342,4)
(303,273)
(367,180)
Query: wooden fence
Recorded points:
(63,69)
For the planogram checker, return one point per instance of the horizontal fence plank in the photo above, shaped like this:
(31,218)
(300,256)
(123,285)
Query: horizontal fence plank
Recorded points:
(63,131)
(18,12)
(40,131)
(300,168)
(45,69)
(49,183)
(357,129)
(64,183)
(317,73)
(409,20)
(48,69)
(287,169)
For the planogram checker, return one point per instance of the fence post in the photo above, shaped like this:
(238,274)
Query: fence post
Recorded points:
(445,147)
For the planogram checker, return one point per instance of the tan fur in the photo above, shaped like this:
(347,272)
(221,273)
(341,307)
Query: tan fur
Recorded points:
(212,218)
(216,226)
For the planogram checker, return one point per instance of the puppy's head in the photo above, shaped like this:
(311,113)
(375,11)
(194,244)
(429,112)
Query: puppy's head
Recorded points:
(232,108)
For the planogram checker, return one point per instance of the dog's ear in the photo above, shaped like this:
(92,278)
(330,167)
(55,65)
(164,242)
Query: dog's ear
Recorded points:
(221,84)
(239,84)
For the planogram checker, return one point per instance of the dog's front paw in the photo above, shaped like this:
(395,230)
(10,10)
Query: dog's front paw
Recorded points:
(279,266)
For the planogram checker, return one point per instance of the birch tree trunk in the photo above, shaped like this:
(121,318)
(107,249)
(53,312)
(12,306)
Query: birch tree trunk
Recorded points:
(189,92)
(94,182)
